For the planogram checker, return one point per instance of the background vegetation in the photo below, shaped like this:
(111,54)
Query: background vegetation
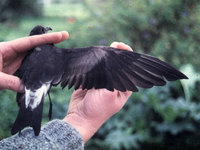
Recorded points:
(161,118)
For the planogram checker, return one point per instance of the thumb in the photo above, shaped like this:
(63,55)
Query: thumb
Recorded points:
(10,82)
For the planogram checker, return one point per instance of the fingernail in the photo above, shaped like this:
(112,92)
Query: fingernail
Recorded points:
(114,44)
(65,34)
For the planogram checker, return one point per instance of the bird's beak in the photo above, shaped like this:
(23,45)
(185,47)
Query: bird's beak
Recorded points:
(47,29)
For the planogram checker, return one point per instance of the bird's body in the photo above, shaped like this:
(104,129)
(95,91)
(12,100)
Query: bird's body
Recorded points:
(91,67)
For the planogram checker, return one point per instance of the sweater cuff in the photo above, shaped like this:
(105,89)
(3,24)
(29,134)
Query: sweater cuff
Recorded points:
(62,134)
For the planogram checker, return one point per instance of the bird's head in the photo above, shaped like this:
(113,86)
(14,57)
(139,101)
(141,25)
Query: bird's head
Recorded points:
(39,30)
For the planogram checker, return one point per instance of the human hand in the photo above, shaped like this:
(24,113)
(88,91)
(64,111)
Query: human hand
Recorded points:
(89,109)
(13,52)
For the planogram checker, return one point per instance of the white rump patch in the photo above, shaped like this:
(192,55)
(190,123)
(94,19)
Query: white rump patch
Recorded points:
(33,98)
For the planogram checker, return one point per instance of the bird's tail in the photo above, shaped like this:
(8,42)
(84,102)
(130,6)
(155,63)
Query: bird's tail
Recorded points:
(28,116)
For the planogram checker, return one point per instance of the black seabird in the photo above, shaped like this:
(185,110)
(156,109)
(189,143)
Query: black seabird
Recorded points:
(91,67)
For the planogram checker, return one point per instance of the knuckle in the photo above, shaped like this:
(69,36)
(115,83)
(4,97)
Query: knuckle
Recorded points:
(11,84)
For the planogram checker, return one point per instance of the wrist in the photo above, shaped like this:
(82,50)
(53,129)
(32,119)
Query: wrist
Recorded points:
(87,128)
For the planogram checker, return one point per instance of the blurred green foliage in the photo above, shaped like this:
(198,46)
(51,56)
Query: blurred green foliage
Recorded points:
(161,118)
(14,9)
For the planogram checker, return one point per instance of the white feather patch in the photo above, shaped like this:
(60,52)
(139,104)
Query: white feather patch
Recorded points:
(33,98)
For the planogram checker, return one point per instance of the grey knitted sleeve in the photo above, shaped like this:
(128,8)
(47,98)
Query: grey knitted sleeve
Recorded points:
(55,135)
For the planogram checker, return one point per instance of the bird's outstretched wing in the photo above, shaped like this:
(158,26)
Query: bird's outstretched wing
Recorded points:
(110,68)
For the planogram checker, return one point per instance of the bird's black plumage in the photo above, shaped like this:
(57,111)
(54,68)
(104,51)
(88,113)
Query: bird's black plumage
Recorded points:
(91,67)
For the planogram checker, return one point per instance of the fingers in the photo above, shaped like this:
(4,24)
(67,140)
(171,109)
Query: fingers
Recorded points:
(10,82)
(121,45)
(26,43)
